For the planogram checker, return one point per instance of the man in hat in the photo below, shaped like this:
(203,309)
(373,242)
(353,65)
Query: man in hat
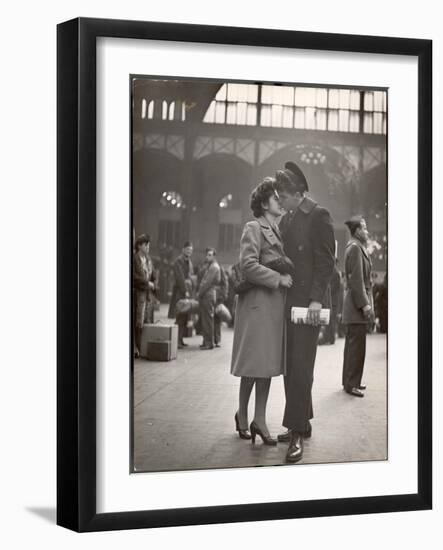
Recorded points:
(308,239)
(357,305)
(142,285)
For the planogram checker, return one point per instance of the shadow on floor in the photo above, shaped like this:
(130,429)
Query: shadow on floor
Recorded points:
(48,514)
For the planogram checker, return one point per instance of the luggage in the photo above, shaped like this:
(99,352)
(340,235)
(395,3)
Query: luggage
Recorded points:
(153,334)
(223,313)
(159,351)
(187,305)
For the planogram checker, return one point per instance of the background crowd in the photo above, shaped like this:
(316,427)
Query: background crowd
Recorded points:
(165,278)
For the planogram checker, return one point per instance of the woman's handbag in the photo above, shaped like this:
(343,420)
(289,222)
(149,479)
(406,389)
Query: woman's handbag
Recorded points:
(282,265)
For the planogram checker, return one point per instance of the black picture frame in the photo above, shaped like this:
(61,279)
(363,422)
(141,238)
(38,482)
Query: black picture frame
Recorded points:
(76,273)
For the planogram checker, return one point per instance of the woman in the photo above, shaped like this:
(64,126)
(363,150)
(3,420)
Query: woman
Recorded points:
(259,329)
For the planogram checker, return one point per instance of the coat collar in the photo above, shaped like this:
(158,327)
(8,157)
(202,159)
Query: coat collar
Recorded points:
(139,254)
(263,222)
(307,205)
(183,258)
(361,245)
(266,225)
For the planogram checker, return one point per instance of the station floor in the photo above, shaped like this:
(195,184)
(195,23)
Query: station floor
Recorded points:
(184,411)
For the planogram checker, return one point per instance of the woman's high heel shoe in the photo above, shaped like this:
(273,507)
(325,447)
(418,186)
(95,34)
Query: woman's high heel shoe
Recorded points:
(255,430)
(243,434)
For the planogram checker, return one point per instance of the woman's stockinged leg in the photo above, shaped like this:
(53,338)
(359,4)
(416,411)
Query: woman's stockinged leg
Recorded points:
(262,386)
(246,385)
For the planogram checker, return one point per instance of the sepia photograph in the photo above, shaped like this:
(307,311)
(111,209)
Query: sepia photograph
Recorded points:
(259,274)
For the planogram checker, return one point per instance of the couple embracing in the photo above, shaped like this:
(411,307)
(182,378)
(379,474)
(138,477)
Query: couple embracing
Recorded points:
(266,342)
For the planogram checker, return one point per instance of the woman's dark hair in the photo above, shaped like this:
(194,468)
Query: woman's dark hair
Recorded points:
(261,195)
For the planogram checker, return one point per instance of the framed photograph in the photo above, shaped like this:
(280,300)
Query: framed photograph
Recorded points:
(233,205)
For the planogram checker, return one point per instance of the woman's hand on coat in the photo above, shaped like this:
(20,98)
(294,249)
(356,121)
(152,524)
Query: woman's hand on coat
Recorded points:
(285,281)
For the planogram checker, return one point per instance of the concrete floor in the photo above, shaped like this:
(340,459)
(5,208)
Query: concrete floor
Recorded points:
(184,411)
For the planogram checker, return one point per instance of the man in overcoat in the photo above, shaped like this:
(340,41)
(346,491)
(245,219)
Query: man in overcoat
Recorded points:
(143,284)
(207,295)
(183,272)
(308,239)
(357,306)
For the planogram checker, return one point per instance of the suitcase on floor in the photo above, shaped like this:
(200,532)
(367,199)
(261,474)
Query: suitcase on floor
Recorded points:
(159,351)
(158,333)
